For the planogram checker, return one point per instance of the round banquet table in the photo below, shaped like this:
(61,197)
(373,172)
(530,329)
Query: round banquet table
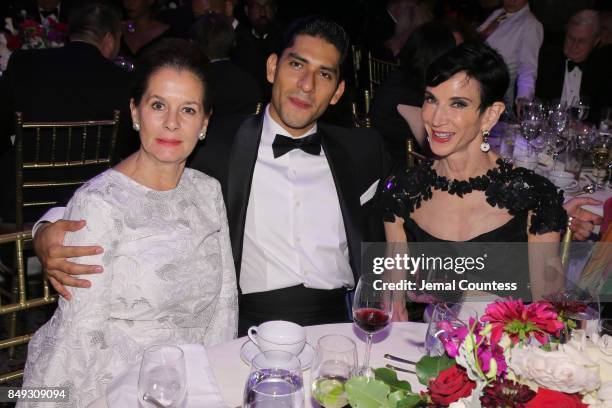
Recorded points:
(400,339)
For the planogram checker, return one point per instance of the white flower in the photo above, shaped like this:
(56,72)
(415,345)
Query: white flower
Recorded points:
(601,398)
(566,370)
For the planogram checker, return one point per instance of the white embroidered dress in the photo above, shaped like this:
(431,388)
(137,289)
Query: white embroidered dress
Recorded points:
(168,279)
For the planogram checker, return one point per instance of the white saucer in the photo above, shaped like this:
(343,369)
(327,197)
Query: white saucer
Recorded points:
(249,350)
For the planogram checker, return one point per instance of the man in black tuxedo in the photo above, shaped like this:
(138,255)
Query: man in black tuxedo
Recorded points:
(256,40)
(235,91)
(298,193)
(75,82)
(579,69)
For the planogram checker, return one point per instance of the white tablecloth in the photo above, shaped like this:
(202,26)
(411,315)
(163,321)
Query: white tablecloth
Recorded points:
(400,339)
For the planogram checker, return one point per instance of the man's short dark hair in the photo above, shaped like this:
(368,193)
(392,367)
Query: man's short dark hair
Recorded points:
(479,62)
(316,26)
(92,20)
(214,34)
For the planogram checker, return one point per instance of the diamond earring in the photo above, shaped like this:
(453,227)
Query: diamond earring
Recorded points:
(136,126)
(202,135)
(485,146)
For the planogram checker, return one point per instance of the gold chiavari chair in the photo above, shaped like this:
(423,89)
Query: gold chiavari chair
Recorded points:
(356,57)
(411,156)
(20,302)
(378,70)
(259,108)
(54,158)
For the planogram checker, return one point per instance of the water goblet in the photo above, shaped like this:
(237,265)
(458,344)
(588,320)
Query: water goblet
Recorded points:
(162,380)
(275,381)
(557,116)
(334,363)
(444,314)
(372,310)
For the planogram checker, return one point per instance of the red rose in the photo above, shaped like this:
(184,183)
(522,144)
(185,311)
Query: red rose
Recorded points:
(12,42)
(546,398)
(451,385)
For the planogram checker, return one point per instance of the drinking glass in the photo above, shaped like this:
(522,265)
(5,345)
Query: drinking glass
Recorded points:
(532,120)
(605,122)
(580,308)
(335,362)
(372,310)
(601,156)
(579,109)
(275,381)
(162,380)
(456,314)
(604,327)
(558,116)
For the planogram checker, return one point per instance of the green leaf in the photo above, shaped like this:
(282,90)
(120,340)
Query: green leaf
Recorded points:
(395,398)
(411,401)
(389,377)
(367,393)
(429,367)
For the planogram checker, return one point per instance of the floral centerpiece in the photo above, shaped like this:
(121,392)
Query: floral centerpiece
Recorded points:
(511,357)
(30,35)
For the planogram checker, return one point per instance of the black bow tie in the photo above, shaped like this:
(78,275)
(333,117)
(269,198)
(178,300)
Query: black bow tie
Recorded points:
(310,144)
(571,65)
(46,14)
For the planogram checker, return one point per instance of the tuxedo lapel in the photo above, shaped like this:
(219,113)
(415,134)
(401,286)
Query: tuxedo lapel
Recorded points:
(241,164)
(348,196)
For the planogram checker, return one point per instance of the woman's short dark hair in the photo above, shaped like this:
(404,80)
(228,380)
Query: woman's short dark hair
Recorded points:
(479,62)
(316,26)
(172,53)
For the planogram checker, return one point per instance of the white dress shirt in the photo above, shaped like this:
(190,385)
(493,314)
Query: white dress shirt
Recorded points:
(294,232)
(518,39)
(571,85)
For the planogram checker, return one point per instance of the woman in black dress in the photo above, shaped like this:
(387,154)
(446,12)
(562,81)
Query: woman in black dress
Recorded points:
(466,192)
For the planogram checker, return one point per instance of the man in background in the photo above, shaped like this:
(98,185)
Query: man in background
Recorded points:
(579,69)
(517,35)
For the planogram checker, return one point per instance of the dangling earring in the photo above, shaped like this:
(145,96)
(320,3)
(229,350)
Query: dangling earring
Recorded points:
(202,135)
(485,146)
(136,126)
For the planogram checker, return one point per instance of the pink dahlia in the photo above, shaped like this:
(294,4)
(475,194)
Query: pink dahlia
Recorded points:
(521,322)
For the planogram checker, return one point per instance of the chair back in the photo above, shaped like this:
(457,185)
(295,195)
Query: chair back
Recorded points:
(19,300)
(54,158)
(378,71)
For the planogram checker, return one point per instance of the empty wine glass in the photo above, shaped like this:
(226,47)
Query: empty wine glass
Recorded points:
(275,381)
(372,310)
(558,116)
(444,314)
(335,362)
(162,380)
(532,116)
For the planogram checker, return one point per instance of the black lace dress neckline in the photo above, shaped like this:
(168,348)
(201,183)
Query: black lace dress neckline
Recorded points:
(518,190)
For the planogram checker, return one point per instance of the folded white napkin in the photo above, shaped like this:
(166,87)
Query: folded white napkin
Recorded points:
(202,390)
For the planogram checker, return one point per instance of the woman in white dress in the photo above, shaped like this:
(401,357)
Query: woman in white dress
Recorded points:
(168,271)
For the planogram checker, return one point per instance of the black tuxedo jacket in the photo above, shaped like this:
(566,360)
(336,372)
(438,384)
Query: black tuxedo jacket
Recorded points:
(356,157)
(74,82)
(596,78)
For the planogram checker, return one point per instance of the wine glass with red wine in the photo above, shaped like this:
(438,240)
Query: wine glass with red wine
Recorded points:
(372,310)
